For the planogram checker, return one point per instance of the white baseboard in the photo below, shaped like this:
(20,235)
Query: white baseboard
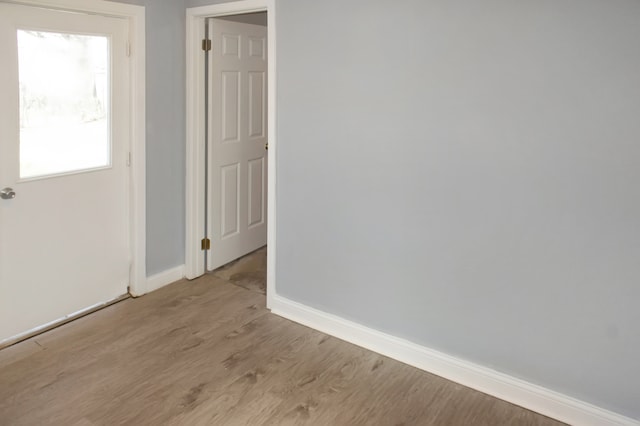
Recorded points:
(164,278)
(486,380)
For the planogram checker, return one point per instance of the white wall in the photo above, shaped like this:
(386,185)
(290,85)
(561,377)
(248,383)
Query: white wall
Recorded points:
(466,175)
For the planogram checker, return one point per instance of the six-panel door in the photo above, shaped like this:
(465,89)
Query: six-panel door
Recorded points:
(237,140)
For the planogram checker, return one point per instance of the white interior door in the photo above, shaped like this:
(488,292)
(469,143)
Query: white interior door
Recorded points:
(64,137)
(237,140)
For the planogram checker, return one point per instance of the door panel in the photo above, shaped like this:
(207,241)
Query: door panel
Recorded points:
(257,103)
(64,238)
(230,106)
(237,140)
(230,199)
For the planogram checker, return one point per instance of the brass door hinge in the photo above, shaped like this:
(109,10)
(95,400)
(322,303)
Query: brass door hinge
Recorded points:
(206,44)
(205,244)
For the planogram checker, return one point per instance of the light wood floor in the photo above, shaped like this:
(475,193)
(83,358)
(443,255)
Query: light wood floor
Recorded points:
(248,272)
(207,352)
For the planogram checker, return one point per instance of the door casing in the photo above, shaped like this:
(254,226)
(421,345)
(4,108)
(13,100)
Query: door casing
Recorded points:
(196,119)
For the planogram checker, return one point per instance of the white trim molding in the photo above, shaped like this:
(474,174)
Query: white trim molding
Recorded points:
(195,119)
(483,379)
(272,158)
(138,194)
(165,278)
(135,15)
(195,146)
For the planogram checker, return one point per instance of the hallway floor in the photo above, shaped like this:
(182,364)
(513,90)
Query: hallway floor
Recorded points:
(205,352)
(248,272)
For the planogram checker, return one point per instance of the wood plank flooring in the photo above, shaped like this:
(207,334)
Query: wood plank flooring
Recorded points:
(249,272)
(206,352)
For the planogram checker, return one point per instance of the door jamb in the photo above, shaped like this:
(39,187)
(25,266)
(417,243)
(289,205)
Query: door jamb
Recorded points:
(135,15)
(195,119)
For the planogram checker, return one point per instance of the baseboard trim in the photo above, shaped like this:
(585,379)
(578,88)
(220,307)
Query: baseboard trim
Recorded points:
(528,395)
(60,322)
(164,278)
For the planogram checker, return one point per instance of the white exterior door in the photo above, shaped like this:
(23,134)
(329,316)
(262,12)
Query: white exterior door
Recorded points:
(64,138)
(237,140)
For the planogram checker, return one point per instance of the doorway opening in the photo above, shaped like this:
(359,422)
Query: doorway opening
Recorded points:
(231,143)
(236,137)
(236,167)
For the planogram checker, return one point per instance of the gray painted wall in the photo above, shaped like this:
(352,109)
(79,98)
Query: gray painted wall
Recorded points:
(165,103)
(459,174)
(258,18)
(196,3)
(166,170)
(165,79)
(465,175)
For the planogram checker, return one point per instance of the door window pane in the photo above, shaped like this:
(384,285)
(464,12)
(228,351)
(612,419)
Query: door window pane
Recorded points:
(64,103)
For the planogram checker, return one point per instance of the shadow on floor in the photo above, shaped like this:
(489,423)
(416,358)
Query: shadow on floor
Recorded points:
(249,272)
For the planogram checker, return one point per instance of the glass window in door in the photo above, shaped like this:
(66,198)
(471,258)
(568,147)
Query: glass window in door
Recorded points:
(64,96)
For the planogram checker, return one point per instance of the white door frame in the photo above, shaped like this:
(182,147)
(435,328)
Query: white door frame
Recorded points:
(195,196)
(137,193)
